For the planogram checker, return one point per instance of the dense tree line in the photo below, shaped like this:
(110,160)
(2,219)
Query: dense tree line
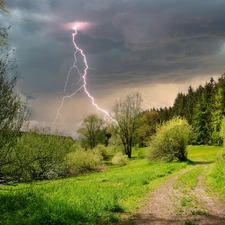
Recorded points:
(203,108)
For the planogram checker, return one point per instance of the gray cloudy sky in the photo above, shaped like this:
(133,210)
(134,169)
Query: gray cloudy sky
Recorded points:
(156,47)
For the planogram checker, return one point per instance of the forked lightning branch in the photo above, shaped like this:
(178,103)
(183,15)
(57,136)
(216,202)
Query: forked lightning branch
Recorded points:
(82,82)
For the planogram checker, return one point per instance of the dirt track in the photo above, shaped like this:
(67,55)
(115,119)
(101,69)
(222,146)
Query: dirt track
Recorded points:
(164,206)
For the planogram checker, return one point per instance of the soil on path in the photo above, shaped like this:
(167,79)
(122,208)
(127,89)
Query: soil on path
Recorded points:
(164,206)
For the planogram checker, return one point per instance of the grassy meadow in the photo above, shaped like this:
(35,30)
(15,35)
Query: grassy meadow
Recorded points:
(95,198)
(215,176)
(86,199)
(203,153)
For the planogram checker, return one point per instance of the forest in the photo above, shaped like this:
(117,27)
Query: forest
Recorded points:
(203,108)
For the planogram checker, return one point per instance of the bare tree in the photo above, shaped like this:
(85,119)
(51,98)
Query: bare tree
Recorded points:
(127,114)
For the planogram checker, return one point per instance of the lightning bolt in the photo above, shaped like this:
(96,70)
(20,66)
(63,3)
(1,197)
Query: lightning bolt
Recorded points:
(82,79)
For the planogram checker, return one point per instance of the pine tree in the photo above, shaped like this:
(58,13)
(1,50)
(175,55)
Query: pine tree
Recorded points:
(217,114)
(179,106)
(190,104)
(201,122)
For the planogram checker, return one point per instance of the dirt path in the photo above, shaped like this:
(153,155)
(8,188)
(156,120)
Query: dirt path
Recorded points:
(181,206)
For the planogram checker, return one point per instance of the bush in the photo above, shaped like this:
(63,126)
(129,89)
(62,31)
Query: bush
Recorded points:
(102,151)
(170,142)
(119,159)
(82,161)
(39,154)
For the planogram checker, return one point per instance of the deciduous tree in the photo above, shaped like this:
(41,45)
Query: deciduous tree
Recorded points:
(92,132)
(13,112)
(127,112)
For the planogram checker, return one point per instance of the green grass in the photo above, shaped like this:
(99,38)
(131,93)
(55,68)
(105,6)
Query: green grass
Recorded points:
(216,176)
(203,153)
(99,198)
(216,179)
(88,199)
(186,184)
(189,179)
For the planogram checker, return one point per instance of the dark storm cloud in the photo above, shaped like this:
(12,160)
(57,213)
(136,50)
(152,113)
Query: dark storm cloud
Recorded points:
(157,47)
(148,37)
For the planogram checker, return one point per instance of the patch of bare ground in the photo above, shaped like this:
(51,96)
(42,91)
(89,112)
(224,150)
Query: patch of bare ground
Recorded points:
(164,206)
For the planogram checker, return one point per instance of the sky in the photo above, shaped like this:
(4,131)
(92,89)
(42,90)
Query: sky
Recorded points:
(155,47)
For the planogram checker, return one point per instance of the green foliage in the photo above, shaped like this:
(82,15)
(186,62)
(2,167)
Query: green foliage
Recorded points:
(140,152)
(180,105)
(170,142)
(38,154)
(221,156)
(82,161)
(94,198)
(129,119)
(217,115)
(203,108)
(13,112)
(216,175)
(222,130)
(152,120)
(119,159)
(201,122)
(102,151)
(92,132)
(189,223)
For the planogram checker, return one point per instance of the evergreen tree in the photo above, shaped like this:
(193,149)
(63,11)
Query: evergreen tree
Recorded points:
(179,106)
(217,114)
(190,104)
(201,124)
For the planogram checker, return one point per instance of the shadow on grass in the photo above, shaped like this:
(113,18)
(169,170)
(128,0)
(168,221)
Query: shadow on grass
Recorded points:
(190,162)
(203,162)
(31,208)
(150,219)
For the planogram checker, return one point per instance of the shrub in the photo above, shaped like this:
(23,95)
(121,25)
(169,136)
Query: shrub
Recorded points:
(82,161)
(102,151)
(39,154)
(141,153)
(170,141)
(119,159)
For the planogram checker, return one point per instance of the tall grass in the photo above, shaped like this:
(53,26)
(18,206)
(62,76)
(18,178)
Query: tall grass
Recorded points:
(88,199)
(216,175)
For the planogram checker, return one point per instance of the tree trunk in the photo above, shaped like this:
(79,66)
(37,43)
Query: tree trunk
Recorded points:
(129,150)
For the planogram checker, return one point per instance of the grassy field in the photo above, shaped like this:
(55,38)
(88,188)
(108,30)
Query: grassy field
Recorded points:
(96,198)
(215,176)
(88,199)
(203,153)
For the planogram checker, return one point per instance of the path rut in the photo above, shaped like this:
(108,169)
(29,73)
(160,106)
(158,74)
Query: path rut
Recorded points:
(164,205)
